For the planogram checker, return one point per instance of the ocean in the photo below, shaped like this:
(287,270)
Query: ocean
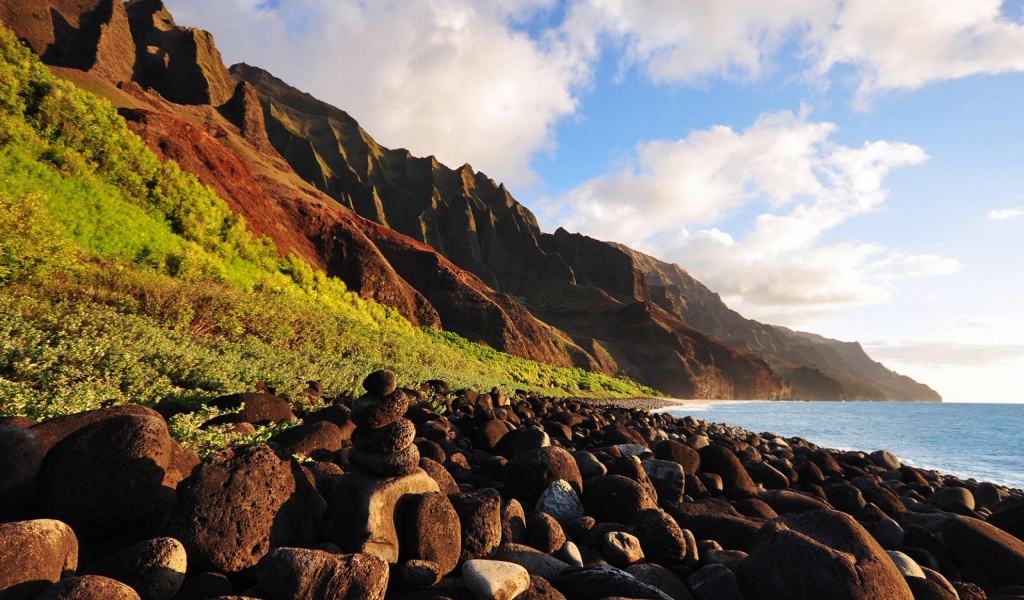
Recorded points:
(980,441)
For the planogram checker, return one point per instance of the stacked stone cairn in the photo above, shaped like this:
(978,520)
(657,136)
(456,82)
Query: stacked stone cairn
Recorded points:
(383,438)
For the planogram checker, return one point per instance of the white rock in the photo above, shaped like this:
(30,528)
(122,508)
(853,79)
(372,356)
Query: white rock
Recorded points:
(906,565)
(494,579)
(560,501)
(632,449)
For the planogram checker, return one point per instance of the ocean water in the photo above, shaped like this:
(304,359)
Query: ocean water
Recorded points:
(983,441)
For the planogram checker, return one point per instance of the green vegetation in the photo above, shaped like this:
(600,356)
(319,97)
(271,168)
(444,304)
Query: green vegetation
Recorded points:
(123,279)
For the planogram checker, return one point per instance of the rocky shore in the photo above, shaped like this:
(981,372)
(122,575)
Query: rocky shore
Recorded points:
(435,494)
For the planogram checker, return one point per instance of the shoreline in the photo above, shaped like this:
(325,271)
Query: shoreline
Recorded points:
(581,499)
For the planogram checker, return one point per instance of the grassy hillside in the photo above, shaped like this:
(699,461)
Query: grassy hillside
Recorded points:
(124,279)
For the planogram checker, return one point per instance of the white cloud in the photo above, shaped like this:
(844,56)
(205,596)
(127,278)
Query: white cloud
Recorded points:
(452,78)
(890,45)
(911,43)
(1004,214)
(939,352)
(688,201)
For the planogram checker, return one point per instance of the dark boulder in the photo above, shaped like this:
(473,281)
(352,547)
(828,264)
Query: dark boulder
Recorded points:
(34,555)
(660,536)
(242,502)
(820,554)
(605,581)
(89,587)
(107,478)
(21,458)
(722,462)
(997,554)
(300,573)
(480,519)
(304,439)
(428,523)
(614,498)
(528,475)
(155,568)
(257,408)
(679,453)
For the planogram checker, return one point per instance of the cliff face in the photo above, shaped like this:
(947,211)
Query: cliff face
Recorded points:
(448,248)
(589,289)
(817,368)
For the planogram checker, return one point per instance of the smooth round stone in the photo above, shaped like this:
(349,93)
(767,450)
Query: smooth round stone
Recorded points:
(621,549)
(953,499)
(495,580)
(885,459)
(386,465)
(380,383)
(389,439)
(907,566)
(570,554)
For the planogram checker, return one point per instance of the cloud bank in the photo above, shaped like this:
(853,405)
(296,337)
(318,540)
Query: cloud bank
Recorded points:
(1005,214)
(678,200)
(487,82)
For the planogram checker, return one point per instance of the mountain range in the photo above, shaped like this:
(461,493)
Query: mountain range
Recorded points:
(448,248)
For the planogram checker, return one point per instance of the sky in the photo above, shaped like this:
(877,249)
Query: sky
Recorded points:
(853,168)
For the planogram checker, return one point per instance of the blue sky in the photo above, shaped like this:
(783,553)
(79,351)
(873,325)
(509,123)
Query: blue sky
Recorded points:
(847,167)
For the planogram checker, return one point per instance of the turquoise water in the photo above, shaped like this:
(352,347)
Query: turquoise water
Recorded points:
(983,441)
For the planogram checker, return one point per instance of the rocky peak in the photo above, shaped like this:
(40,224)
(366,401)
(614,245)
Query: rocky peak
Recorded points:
(89,35)
(182,64)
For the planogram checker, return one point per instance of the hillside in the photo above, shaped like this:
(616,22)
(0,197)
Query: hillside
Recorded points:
(447,248)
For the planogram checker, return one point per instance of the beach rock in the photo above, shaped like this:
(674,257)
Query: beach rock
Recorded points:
(33,555)
(370,411)
(1010,520)
(89,587)
(953,499)
(605,581)
(906,565)
(428,522)
(21,458)
(621,549)
(766,475)
(668,478)
(660,536)
(661,578)
(362,511)
(969,591)
(845,497)
(679,453)
(494,580)
(588,465)
(614,498)
(414,574)
(732,532)
(543,532)
(257,408)
(534,561)
(822,554)
(106,478)
(885,459)
(528,475)
(204,585)
(380,383)
(540,589)
(51,431)
(926,589)
(304,439)
(398,464)
(997,554)
(755,508)
(722,462)
(513,522)
(242,502)
(155,568)
(444,480)
(560,501)
(480,517)
(791,501)
(714,582)
(300,573)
